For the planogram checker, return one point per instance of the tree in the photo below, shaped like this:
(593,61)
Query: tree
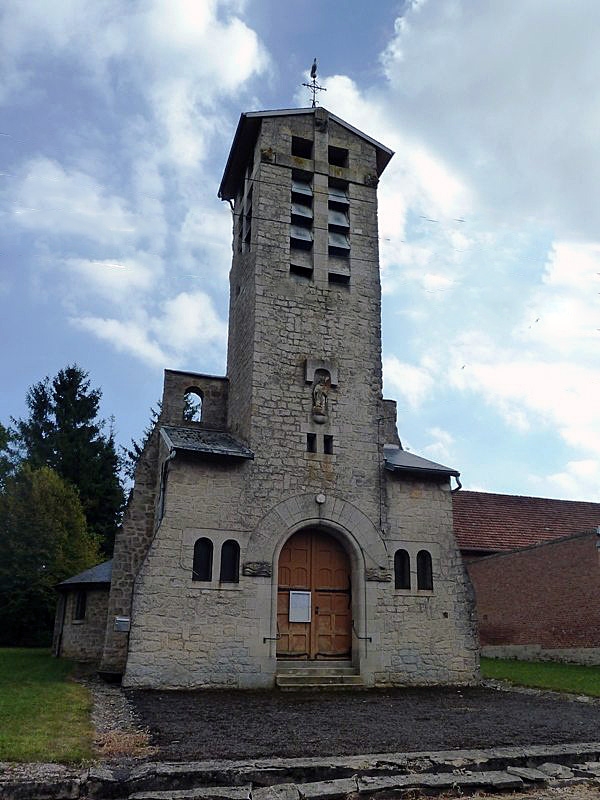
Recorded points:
(43,540)
(64,432)
(7,459)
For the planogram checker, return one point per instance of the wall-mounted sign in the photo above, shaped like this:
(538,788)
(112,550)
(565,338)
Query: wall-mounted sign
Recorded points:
(299,607)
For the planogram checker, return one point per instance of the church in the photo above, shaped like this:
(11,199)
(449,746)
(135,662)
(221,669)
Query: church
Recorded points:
(277,533)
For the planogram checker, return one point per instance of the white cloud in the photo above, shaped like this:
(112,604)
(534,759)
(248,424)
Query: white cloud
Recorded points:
(507,95)
(578,479)
(58,201)
(112,279)
(185,327)
(126,337)
(412,383)
(440,449)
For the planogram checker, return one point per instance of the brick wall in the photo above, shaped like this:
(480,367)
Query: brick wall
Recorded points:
(546,596)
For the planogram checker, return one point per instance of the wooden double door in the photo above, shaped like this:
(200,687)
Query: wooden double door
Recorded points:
(313,563)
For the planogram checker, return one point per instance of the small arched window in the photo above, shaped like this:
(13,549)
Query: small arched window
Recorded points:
(401,569)
(230,562)
(424,570)
(203,558)
(192,406)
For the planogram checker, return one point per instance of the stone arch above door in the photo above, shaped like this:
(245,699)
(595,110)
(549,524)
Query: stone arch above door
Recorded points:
(340,517)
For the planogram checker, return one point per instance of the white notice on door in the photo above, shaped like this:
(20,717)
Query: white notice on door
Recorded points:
(299,607)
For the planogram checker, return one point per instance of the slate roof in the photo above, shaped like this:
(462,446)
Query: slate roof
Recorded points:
(101,574)
(397,460)
(245,138)
(491,523)
(199,440)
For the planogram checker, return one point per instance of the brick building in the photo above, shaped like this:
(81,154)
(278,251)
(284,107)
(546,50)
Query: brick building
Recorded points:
(276,524)
(541,602)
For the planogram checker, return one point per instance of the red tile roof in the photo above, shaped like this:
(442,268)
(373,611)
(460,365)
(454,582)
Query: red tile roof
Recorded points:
(497,522)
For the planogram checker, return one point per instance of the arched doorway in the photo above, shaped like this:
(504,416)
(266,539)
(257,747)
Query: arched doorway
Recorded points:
(314,599)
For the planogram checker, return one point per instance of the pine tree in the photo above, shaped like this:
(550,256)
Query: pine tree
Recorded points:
(64,432)
(43,540)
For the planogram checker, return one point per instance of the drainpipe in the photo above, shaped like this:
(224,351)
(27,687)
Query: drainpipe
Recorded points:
(456,488)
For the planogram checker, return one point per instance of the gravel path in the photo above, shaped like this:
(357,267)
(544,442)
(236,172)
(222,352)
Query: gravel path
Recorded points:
(210,724)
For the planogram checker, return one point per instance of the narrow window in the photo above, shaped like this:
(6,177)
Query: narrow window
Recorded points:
(401,569)
(80,604)
(230,562)
(328,445)
(203,558)
(192,406)
(424,571)
(162,498)
(311,442)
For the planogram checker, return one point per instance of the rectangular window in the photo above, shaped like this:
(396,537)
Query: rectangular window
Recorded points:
(311,442)
(338,278)
(301,273)
(338,156)
(302,148)
(328,445)
(80,604)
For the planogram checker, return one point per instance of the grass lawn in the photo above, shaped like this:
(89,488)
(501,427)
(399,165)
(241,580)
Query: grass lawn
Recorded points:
(43,715)
(544,675)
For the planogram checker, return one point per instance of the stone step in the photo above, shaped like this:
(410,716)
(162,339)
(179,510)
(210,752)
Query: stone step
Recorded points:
(287,665)
(318,671)
(317,681)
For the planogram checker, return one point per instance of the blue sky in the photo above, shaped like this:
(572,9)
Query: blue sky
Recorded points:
(116,120)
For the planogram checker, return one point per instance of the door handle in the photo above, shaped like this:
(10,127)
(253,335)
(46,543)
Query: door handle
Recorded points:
(316,609)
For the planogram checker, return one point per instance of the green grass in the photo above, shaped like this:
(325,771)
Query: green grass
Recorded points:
(44,716)
(544,675)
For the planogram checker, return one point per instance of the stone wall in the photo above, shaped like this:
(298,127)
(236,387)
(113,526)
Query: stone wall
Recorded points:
(426,636)
(542,600)
(82,639)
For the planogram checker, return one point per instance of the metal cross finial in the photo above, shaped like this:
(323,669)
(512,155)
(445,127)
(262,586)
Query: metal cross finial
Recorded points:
(313,85)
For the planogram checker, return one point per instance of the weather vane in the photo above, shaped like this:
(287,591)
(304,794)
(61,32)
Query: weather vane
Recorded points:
(313,85)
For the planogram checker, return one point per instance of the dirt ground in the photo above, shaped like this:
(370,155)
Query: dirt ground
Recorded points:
(210,724)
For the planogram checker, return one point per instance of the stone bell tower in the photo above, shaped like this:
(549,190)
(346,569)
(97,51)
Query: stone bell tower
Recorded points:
(286,524)
(304,358)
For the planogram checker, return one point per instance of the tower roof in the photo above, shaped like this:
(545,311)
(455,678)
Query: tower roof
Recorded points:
(245,138)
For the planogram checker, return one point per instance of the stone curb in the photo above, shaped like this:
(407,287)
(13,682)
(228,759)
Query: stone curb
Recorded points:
(308,778)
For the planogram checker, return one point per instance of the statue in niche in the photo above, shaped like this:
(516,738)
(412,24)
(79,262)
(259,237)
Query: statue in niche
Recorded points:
(320,399)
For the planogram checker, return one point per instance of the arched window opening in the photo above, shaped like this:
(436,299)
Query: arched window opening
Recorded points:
(401,569)
(230,562)
(192,406)
(203,558)
(424,571)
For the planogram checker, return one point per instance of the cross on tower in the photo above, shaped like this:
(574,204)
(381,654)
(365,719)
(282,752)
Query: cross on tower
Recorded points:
(313,85)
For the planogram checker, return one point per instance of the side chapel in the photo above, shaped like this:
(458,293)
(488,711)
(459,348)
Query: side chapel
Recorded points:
(283,529)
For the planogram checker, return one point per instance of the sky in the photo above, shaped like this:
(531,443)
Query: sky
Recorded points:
(115,124)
